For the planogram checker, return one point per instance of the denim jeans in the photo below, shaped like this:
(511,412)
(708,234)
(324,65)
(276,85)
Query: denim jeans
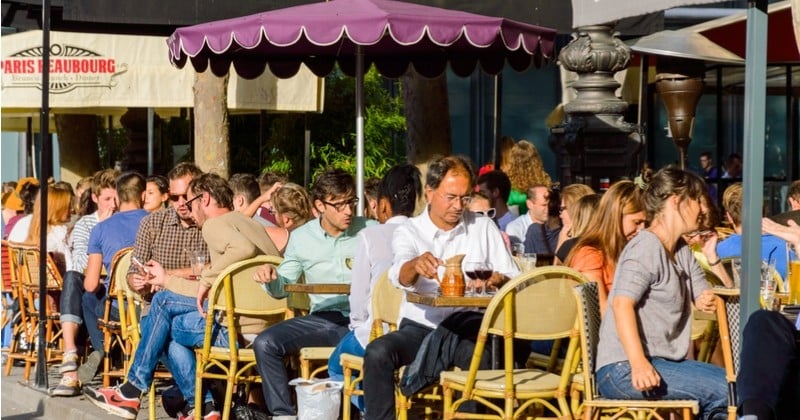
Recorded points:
(71,297)
(348,345)
(156,340)
(93,306)
(680,380)
(318,329)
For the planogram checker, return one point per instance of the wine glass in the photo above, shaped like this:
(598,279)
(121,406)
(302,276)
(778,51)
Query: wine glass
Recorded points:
(478,271)
(469,270)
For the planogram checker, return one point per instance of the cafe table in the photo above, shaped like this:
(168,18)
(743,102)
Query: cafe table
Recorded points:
(319,288)
(437,300)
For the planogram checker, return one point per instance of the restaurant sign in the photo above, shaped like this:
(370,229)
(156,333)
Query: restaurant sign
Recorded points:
(71,67)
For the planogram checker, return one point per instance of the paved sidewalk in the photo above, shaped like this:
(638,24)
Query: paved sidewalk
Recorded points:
(20,401)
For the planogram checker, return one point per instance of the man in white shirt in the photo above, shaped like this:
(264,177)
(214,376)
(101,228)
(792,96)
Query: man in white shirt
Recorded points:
(420,247)
(538,198)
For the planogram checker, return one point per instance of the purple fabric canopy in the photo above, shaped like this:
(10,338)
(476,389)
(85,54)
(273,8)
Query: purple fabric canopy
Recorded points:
(391,35)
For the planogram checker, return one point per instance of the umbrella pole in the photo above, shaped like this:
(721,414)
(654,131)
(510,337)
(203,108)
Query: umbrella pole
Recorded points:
(360,131)
(754,108)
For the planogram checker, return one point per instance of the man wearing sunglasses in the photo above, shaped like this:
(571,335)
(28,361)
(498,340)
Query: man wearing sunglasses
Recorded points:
(176,322)
(322,250)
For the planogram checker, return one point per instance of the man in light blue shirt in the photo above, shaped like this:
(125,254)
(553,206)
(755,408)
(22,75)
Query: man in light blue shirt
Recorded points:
(322,250)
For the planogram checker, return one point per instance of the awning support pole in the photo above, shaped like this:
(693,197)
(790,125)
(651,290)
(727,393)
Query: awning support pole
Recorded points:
(360,130)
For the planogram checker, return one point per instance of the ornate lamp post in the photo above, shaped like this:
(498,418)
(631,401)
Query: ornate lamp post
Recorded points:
(594,141)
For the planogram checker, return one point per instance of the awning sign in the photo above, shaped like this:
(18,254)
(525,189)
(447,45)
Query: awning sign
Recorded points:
(70,67)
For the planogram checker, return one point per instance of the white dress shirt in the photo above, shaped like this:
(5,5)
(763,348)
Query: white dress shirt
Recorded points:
(477,237)
(517,228)
(373,256)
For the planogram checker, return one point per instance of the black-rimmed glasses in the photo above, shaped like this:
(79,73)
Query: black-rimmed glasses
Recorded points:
(188,203)
(341,205)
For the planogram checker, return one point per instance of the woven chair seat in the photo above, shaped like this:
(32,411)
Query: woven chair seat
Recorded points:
(645,404)
(525,380)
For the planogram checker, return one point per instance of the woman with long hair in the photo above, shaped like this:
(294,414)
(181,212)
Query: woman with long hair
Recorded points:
(646,332)
(525,169)
(581,216)
(619,217)
(59,202)
(567,208)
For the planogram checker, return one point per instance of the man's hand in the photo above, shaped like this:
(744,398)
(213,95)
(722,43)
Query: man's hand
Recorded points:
(426,265)
(706,302)
(644,377)
(202,293)
(497,280)
(138,282)
(158,276)
(105,213)
(265,274)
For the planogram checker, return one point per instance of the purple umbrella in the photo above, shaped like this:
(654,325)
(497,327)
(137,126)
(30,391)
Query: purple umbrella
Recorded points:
(357,33)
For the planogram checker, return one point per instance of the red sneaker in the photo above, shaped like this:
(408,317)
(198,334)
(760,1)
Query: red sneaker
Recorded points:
(112,400)
(211,415)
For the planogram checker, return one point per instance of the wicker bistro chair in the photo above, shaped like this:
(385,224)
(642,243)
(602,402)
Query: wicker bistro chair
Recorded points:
(386,300)
(596,407)
(235,294)
(29,294)
(131,304)
(22,329)
(113,337)
(511,316)
(728,310)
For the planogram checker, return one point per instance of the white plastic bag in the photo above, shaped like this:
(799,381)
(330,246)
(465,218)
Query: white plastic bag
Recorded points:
(318,399)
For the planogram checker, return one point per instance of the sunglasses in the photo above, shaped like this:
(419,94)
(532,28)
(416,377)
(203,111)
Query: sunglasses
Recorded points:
(176,197)
(188,203)
(488,213)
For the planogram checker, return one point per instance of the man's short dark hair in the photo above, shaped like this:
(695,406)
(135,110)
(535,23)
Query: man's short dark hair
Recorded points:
(440,167)
(130,186)
(216,187)
(496,180)
(333,183)
(706,155)
(183,169)
(246,185)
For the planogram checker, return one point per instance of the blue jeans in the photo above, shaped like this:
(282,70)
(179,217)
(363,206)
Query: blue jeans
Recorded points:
(93,306)
(683,380)
(156,339)
(318,329)
(348,345)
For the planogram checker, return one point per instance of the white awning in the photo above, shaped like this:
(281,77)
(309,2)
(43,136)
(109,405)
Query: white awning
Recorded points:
(106,74)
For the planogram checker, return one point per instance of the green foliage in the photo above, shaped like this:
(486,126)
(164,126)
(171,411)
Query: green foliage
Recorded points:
(111,145)
(333,142)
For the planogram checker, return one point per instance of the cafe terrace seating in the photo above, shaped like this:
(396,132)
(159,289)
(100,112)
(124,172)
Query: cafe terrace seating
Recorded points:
(596,407)
(113,337)
(235,294)
(511,315)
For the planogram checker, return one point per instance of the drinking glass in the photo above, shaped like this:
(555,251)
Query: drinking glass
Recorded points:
(736,266)
(768,285)
(198,261)
(477,271)
(527,262)
(793,275)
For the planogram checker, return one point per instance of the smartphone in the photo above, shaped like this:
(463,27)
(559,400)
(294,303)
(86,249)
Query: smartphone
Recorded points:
(139,264)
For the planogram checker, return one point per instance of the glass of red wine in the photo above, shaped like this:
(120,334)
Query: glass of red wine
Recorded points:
(477,271)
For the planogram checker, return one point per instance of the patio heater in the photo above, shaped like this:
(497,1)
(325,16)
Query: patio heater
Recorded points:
(595,142)
(680,84)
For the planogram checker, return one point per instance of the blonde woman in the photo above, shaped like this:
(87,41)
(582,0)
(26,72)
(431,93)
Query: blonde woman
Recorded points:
(619,217)
(291,206)
(525,169)
(569,201)
(582,212)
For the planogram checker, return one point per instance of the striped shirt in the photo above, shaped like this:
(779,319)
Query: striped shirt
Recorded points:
(161,237)
(79,241)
